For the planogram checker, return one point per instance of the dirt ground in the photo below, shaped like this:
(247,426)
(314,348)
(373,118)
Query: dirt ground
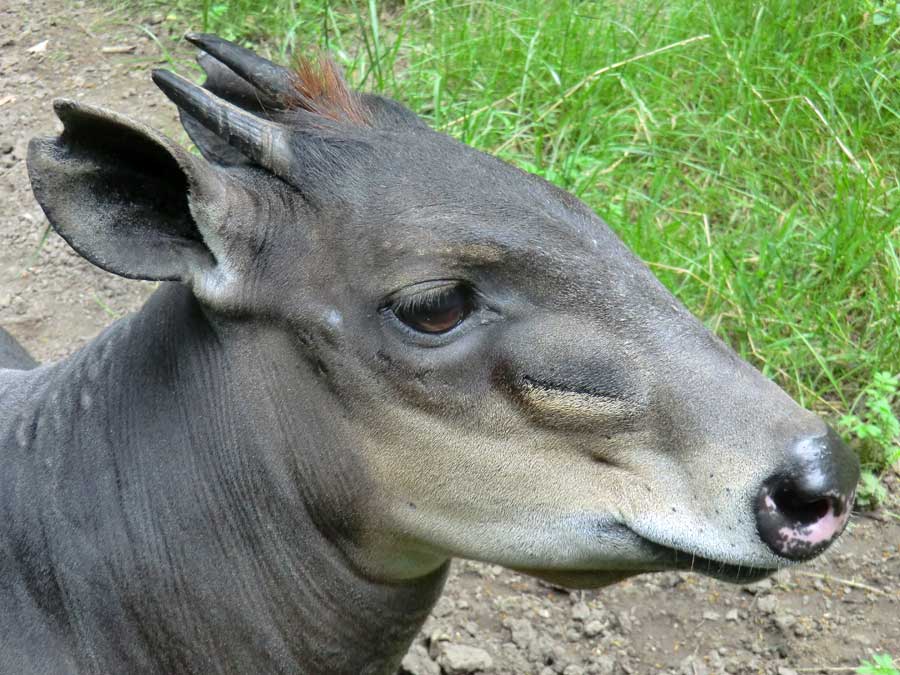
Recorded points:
(822,617)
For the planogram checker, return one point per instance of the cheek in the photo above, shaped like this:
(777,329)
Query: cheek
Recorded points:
(450,384)
(493,466)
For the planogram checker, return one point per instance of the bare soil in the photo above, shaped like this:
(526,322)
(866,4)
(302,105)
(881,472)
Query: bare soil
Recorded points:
(819,618)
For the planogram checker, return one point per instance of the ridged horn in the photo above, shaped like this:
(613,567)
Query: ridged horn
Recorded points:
(265,142)
(273,81)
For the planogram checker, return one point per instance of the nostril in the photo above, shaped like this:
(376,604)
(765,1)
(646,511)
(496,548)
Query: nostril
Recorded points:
(804,507)
(798,509)
(796,524)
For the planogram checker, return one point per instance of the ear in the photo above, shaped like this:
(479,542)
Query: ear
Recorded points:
(124,196)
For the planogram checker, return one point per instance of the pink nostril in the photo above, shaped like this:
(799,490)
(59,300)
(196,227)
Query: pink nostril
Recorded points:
(805,505)
(798,526)
(799,510)
(809,524)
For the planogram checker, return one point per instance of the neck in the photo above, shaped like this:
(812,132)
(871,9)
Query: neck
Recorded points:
(193,512)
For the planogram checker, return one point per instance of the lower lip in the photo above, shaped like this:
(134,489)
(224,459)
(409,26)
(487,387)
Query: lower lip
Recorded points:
(675,559)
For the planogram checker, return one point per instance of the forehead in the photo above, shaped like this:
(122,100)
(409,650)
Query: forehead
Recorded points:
(441,204)
(431,191)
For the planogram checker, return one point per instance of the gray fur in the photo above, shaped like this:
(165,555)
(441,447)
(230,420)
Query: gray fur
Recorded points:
(265,470)
(12,354)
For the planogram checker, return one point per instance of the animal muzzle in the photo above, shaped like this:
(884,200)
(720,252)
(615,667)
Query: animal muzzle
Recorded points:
(805,506)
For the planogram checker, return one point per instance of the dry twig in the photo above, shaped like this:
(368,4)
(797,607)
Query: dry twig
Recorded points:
(845,582)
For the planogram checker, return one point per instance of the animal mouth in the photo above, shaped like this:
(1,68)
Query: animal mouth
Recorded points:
(645,556)
(667,560)
(665,557)
(678,559)
(723,571)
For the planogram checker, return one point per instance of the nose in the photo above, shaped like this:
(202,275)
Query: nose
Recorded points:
(805,506)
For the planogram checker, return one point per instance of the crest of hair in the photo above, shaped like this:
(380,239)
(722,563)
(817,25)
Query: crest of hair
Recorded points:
(320,88)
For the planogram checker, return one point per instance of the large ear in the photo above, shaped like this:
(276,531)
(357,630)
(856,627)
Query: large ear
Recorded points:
(124,196)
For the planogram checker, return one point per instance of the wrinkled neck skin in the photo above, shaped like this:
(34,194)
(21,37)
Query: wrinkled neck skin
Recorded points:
(170,502)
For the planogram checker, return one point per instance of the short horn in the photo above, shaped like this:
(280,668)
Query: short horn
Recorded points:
(273,81)
(266,143)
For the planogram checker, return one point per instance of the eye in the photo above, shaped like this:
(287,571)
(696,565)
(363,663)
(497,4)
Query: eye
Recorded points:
(435,310)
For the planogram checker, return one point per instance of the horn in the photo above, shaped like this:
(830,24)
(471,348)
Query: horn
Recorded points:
(274,81)
(225,83)
(266,143)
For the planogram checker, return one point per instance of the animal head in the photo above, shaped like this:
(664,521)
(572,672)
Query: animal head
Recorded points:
(515,384)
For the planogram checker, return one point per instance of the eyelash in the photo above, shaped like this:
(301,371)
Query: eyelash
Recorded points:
(422,300)
(428,314)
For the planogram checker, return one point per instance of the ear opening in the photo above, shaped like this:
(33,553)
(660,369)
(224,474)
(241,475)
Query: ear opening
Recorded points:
(119,193)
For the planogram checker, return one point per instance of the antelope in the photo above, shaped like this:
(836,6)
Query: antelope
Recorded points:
(372,349)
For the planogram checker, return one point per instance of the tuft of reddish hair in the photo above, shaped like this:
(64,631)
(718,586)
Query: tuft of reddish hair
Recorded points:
(320,88)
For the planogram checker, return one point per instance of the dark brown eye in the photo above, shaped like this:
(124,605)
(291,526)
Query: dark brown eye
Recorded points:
(436,310)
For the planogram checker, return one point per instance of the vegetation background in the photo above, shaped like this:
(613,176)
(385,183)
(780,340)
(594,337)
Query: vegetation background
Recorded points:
(748,152)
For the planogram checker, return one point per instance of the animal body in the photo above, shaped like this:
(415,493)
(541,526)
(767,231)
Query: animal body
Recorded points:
(374,349)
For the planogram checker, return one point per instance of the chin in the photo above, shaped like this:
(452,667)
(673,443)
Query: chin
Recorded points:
(580,580)
(592,579)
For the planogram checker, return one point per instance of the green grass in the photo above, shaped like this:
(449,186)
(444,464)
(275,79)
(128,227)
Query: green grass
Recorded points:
(876,435)
(881,664)
(749,152)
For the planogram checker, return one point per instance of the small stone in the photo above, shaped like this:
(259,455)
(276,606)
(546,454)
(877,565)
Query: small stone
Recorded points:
(541,649)
(580,611)
(436,641)
(693,665)
(767,604)
(784,622)
(38,48)
(463,659)
(784,670)
(558,657)
(417,662)
(521,632)
(732,615)
(605,665)
(759,587)
(711,616)
(593,628)
(443,607)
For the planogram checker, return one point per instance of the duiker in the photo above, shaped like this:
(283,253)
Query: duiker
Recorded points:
(376,349)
